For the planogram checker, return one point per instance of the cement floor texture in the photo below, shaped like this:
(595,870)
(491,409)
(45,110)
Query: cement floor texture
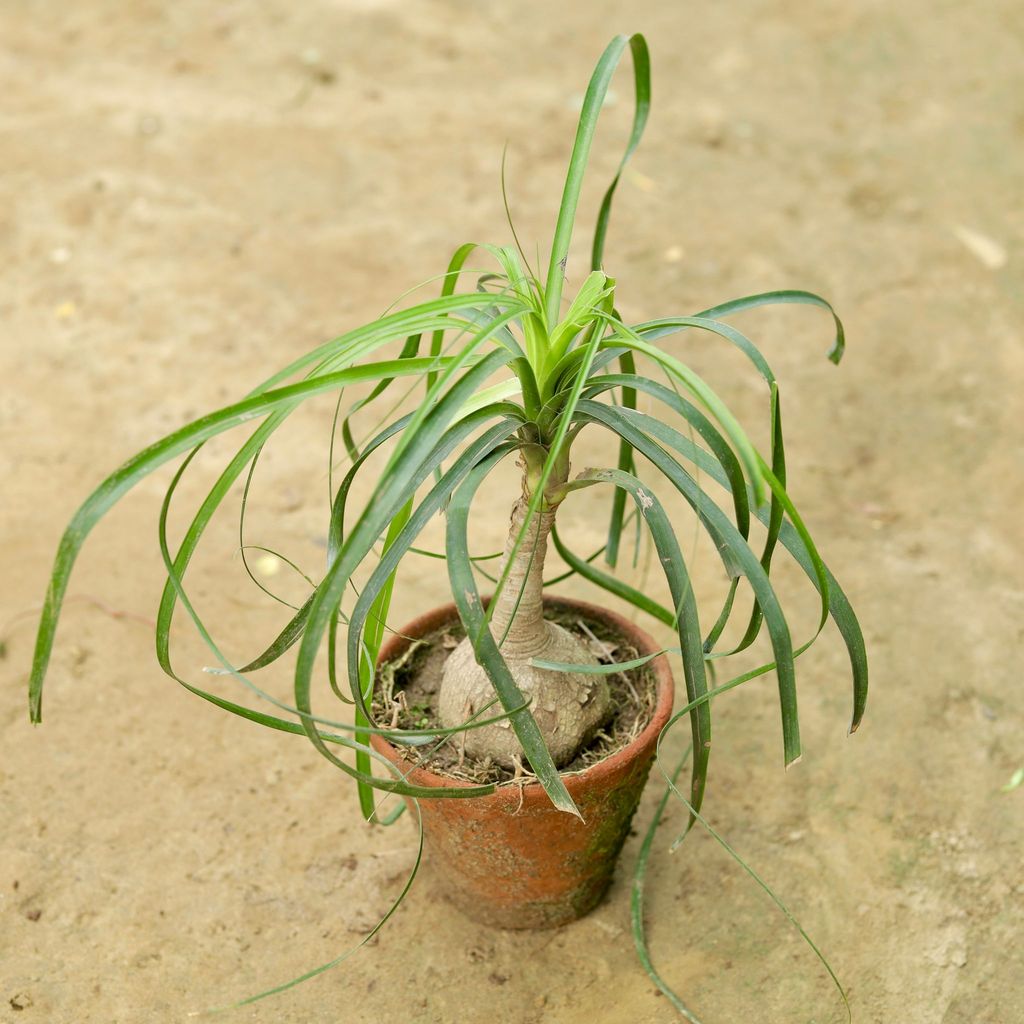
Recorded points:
(192,195)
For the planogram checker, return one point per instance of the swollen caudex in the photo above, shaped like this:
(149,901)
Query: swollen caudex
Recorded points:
(569,708)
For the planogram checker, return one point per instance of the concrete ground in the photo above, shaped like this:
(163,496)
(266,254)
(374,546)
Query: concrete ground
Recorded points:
(191,196)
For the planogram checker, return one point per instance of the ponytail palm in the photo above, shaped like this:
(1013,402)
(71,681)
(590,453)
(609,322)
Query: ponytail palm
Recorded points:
(511,369)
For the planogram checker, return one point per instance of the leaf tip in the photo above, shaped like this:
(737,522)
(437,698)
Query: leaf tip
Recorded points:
(793,761)
(561,799)
(573,812)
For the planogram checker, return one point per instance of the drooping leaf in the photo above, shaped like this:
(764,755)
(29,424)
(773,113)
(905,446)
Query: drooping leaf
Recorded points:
(687,618)
(735,551)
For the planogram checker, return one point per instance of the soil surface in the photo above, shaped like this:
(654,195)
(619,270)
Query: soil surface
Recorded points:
(408,691)
(191,195)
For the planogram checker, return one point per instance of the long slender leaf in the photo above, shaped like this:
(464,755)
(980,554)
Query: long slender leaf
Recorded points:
(769,891)
(796,543)
(488,655)
(308,723)
(592,101)
(700,389)
(625,462)
(451,277)
(410,350)
(841,612)
(555,452)
(378,615)
(198,524)
(673,439)
(687,619)
(612,583)
(636,903)
(693,416)
(307,975)
(733,547)
(775,516)
(436,314)
(577,316)
(782,297)
(641,110)
(293,630)
(590,559)
(451,366)
(156,455)
(396,485)
(659,328)
(373,601)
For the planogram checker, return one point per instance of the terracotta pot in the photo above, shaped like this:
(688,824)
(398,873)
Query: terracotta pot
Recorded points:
(510,859)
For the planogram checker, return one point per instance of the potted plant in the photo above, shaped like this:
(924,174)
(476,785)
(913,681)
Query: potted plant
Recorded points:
(535,734)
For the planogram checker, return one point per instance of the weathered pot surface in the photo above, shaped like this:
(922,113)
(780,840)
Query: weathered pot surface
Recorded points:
(510,859)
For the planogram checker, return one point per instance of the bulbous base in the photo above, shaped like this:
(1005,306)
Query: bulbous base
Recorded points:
(569,708)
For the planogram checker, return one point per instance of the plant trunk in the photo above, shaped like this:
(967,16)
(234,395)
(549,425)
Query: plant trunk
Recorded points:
(569,707)
(519,613)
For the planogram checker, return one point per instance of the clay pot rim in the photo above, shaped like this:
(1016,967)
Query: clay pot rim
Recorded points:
(574,780)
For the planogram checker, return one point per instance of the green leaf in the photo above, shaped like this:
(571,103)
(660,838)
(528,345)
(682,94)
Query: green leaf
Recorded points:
(378,615)
(197,526)
(156,455)
(612,583)
(362,654)
(688,624)
(599,669)
(625,461)
(659,328)
(782,297)
(451,277)
(355,345)
(452,366)
(693,416)
(636,903)
(592,102)
(308,723)
(730,545)
(796,543)
(396,903)
(293,630)
(641,109)
(841,612)
(410,349)
(488,655)
(769,891)
(697,387)
(557,449)
(580,312)
(397,483)
(775,517)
